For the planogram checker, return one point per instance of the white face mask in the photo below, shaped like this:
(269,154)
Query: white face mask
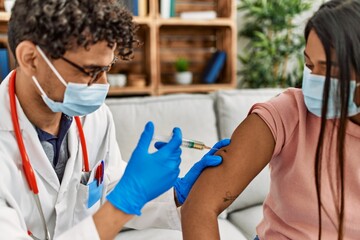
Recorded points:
(313,88)
(79,99)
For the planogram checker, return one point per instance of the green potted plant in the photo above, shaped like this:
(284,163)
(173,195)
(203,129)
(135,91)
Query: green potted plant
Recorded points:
(274,55)
(182,75)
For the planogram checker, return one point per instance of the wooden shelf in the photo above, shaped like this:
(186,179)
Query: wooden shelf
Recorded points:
(192,88)
(4,16)
(143,20)
(116,91)
(165,40)
(195,40)
(4,19)
(188,22)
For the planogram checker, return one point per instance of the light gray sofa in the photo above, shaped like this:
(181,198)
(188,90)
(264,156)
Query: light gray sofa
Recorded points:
(203,117)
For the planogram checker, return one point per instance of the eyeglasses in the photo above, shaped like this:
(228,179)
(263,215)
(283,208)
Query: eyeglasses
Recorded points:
(95,73)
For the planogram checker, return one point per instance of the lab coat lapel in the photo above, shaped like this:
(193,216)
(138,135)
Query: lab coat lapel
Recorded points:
(36,153)
(34,149)
(74,165)
(38,158)
(6,123)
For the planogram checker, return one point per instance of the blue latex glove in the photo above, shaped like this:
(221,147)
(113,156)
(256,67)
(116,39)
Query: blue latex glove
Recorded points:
(147,175)
(184,185)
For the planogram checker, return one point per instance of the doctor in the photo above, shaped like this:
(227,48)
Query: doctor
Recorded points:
(61,175)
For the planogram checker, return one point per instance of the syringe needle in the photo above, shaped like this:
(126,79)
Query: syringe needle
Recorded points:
(186,143)
(207,147)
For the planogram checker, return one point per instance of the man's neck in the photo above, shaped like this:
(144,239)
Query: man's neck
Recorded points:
(34,107)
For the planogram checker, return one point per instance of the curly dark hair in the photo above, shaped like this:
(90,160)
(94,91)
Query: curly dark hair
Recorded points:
(60,25)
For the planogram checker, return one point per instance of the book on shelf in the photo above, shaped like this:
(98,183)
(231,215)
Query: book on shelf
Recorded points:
(165,8)
(172,8)
(137,7)
(4,63)
(143,8)
(198,15)
(214,67)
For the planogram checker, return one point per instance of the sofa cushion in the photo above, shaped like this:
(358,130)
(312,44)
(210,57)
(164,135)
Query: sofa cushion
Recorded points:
(150,234)
(246,220)
(232,108)
(227,230)
(193,113)
(254,193)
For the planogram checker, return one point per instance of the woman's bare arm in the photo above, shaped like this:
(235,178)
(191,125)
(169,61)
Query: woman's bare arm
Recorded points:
(252,145)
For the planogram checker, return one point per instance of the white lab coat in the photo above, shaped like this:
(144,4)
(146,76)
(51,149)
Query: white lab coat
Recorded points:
(65,205)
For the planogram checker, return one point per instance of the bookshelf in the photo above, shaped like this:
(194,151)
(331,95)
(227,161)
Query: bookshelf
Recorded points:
(165,40)
(4,18)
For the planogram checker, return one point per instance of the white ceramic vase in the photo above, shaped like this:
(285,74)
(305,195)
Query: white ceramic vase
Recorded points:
(183,77)
(8,4)
(116,80)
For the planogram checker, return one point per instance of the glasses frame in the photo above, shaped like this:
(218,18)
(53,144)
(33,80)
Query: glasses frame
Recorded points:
(96,73)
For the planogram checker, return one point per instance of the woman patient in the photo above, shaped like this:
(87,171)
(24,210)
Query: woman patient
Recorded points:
(310,138)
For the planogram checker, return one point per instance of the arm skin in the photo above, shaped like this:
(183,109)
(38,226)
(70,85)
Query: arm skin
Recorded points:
(251,148)
(110,220)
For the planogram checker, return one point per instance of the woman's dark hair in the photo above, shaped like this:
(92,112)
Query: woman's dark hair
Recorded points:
(336,24)
(60,25)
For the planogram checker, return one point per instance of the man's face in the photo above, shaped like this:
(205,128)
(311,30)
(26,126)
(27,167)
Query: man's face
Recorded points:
(90,60)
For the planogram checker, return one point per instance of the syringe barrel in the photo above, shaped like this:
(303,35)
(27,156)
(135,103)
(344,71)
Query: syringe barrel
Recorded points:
(185,142)
(192,144)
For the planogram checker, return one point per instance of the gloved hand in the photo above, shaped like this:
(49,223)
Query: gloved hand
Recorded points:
(147,175)
(184,185)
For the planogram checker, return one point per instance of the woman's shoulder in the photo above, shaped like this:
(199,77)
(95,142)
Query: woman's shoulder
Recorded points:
(289,102)
(283,114)
(290,97)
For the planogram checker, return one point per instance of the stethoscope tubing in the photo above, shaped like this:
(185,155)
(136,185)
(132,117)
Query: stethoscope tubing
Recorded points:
(28,170)
(83,144)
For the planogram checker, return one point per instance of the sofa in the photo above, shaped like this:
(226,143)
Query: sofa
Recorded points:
(204,117)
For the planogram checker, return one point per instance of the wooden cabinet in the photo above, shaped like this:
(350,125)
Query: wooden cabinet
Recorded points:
(4,18)
(165,40)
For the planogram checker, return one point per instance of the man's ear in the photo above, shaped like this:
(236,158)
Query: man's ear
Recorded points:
(27,57)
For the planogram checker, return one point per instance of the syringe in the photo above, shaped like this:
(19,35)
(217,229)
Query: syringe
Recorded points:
(185,143)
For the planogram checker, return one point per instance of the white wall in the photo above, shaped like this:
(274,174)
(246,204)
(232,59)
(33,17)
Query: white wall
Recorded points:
(301,21)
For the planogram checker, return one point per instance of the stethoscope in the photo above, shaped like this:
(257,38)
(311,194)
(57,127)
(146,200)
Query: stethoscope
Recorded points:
(28,170)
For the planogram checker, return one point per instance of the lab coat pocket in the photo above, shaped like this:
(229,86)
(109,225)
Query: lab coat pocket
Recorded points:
(95,192)
(88,200)
(89,195)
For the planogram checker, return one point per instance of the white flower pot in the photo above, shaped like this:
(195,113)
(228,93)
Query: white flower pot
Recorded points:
(8,4)
(183,77)
(117,80)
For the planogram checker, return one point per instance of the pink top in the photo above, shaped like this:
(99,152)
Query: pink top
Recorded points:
(290,209)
